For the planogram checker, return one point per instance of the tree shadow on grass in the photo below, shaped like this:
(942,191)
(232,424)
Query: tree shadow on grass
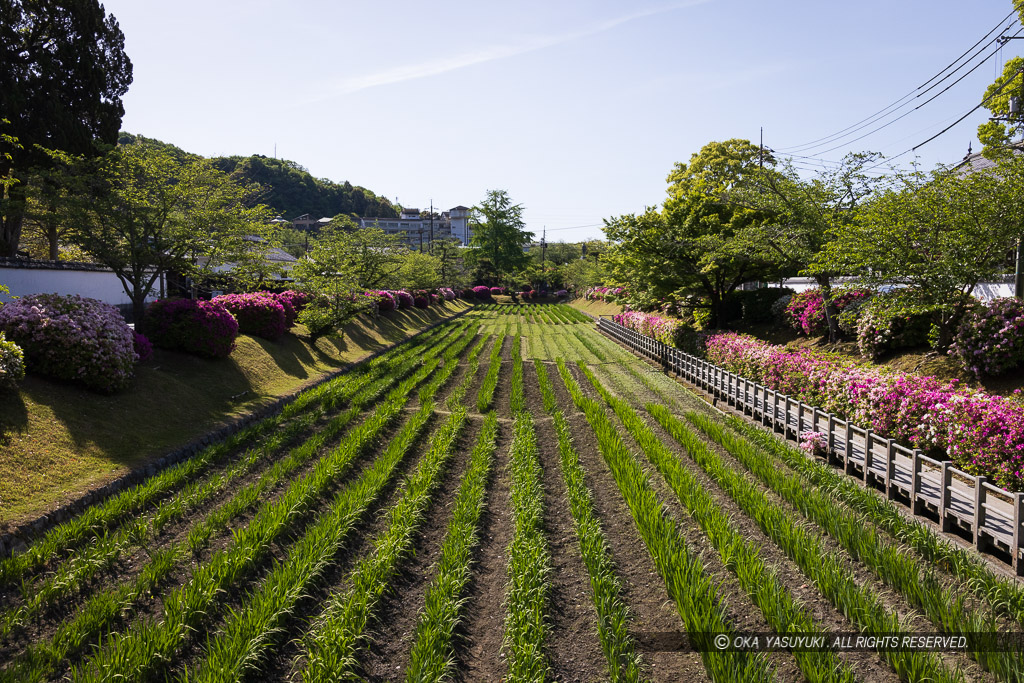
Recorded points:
(13,414)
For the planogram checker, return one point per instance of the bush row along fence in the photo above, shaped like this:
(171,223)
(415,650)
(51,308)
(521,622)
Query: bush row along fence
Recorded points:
(963,504)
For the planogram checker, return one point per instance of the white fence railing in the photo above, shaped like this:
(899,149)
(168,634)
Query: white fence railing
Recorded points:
(961,502)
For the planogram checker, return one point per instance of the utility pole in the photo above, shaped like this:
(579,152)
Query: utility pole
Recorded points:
(760,148)
(431,226)
(543,258)
(421,240)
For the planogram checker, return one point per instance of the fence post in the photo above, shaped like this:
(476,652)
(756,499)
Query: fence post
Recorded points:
(867,454)
(890,469)
(980,499)
(831,436)
(1015,544)
(847,460)
(915,481)
(945,495)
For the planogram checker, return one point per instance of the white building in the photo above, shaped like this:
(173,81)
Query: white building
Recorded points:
(419,227)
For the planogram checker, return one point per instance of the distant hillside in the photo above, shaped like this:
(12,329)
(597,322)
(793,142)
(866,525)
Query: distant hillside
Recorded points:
(291,189)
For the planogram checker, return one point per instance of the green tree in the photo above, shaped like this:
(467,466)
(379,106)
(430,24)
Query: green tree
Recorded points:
(451,267)
(940,233)
(418,271)
(499,234)
(691,246)
(801,214)
(142,213)
(63,75)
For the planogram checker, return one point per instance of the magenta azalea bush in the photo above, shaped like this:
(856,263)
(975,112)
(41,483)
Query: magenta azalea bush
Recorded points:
(482,292)
(258,313)
(990,340)
(421,301)
(605,294)
(404,299)
(203,328)
(143,347)
(297,300)
(981,433)
(12,363)
(385,300)
(670,331)
(72,338)
(805,311)
(497,290)
(447,292)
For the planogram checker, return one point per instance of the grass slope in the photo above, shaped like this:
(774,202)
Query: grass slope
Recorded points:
(58,440)
(596,307)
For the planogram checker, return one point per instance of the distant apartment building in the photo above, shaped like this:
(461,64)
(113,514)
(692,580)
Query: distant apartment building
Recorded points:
(419,228)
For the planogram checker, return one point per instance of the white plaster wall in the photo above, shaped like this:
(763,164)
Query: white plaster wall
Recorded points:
(102,285)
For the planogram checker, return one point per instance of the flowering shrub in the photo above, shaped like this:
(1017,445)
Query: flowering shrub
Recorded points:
(12,363)
(605,294)
(990,339)
(71,338)
(497,290)
(298,300)
(779,315)
(525,294)
(447,292)
(482,292)
(981,433)
(468,294)
(204,328)
(560,293)
(385,300)
(421,301)
(815,443)
(805,311)
(891,321)
(143,347)
(670,331)
(403,298)
(259,313)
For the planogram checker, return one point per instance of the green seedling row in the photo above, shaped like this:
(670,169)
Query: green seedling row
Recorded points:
(485,397)
(433,655)
(742,557)
(529,562)
(949,610)
(690,587)
(331,649)
(613,621)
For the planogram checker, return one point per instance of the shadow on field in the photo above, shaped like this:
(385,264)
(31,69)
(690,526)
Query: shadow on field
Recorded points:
(13,415)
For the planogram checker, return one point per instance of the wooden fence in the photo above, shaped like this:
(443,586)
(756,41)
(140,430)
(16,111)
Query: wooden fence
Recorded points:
(963,503)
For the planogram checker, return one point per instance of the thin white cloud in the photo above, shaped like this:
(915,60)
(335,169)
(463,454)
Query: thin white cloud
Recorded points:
(409,72)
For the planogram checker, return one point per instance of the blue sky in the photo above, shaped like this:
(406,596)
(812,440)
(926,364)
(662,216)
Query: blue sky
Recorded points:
(578,109)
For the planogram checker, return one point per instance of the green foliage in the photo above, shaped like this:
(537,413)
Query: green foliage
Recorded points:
(940,233)
(417,271)
(64,74)
(996,136)
(292,191)
(142,213)
(12,363)
(499,234)
(691,246)
(341,263)
(902,318)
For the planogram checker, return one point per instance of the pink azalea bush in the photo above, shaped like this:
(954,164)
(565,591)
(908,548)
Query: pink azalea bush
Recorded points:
(990,340)
(293,302)
(258,313)
(981,433)
(72,338)
(404,299)
(421,301)
(815,443)
(482,292)
(605,294)
(805,311)
(12,363)
(670,331)
(385,300)
(447,292)
(203,328)
(497,290)
(143,347)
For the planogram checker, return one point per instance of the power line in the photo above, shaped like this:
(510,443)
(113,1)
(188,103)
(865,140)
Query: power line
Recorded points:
(900,103)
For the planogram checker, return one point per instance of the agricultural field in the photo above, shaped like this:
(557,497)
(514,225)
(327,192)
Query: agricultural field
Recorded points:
(508,496)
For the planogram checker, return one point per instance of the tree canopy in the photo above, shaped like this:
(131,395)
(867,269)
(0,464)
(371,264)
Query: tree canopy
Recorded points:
(499,234)
(64,73)
(690,247)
